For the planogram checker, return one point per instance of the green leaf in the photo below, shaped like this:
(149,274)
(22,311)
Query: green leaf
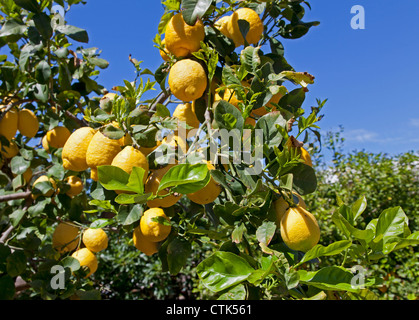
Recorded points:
(265,232)
(74,33)
(70,262)
(19,165)
(358,207)
(400,243)
(250,59)
(271,135)
(321,251)
(43,25)
(237,234)
(113,133)
(7,287)
(129,217)
(113,178)
(344,225)
(235,293)
(194,9)
(292,101)
(223,270)
(178,252)
(16,263)
(30,5)
(100,223)
(304,178)
(331,278)
(43,72)
(183,174)
(17,216)
(12,27)
(228,116)
(391,223)
(127,198)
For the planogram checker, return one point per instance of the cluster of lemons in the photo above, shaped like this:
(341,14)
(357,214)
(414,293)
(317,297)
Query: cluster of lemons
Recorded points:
(188,82)
(87,148)
(67,237)
(14,120)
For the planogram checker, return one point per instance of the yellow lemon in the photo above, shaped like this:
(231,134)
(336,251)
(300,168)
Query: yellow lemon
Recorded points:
(129,158)
(143,244)
(28,124)
(95,239)
(182,39)
(152,185)
(9,123)
(281,206)
(45,143)
(186,113)
(187,80)
(100,152)
(163,53)
(255,26)
(221,24)
(299,229)
(57,137)
(65,237)
(87,259)
(75,149)
(207,194)
(45,178)
(76,186)
(152,230)
(11,151)
(306,157)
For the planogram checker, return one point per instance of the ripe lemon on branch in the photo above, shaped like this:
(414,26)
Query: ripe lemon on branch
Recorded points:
(152,230)
(281,206)
(64,238)
(9,123)
(76,186)
(152,185)
(129,158)
(95,239)
(208,193)
(100,152)
(87,259)
(182,39)
(186,113)
(75,149)
(143,244)
(299,229)
(230,26)
(57,137)
(187,80)
(28,124)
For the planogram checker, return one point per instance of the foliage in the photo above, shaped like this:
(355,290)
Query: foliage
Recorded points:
(385,181)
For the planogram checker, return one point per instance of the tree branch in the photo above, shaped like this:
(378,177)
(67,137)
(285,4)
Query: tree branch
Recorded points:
(15,196)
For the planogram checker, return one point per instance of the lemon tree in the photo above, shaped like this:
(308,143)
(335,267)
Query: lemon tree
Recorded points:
(85,169)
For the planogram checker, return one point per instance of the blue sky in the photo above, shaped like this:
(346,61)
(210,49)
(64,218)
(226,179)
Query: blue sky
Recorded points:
(370,76)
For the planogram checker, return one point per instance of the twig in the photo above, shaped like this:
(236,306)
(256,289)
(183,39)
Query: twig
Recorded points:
(6,234)
(15,196)
(160,99)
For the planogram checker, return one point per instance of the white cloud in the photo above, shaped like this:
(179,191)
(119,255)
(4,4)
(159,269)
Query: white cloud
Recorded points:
(414,122)
(360,135)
